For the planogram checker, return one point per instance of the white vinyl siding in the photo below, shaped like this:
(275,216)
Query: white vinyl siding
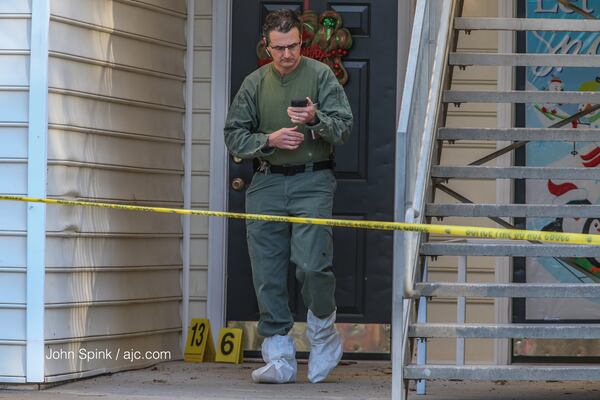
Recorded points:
(200,157)
(116,109)
(15,33)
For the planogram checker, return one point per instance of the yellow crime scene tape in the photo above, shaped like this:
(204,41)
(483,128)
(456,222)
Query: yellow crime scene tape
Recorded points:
(452,230)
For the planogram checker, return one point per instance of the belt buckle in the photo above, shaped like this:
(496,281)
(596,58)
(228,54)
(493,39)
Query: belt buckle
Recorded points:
(292,170)
(289,171)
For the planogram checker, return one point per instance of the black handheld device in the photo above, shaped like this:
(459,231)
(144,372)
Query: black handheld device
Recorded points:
(299,103)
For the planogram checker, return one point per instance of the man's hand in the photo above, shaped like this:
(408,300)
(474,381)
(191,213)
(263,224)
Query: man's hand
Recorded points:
(303,115)
(286,138)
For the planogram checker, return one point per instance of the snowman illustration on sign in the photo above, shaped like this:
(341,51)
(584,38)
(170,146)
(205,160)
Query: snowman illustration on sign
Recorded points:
(592,119)
(555,85)
(568,194)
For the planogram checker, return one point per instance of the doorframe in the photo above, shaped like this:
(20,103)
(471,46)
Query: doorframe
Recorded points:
(219,173)
(406,12)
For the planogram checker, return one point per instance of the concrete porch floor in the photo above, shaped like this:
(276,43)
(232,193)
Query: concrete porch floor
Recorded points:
(351,380)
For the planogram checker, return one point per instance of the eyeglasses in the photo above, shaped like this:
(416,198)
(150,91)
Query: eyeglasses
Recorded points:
(282,49)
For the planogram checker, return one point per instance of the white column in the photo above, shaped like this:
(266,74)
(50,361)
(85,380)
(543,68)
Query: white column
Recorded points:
(36,187)
(187,172)
(217,228)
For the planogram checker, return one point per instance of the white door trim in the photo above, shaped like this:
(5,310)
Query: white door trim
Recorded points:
(217,228)
(406,12)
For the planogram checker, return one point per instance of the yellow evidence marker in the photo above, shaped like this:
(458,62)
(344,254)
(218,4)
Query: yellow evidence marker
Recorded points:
(229,346)
(199,346)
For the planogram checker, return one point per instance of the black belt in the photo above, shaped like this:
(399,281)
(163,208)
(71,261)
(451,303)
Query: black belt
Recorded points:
(296,169)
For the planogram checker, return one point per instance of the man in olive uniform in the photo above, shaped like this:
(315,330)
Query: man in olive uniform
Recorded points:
(293,152)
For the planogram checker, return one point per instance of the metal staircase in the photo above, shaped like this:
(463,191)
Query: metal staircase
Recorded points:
(420,176)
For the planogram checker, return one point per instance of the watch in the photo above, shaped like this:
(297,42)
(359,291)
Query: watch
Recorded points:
(317,120)
(266,145)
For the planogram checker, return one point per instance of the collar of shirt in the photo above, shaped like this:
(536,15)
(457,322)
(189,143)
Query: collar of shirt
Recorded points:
(292,75)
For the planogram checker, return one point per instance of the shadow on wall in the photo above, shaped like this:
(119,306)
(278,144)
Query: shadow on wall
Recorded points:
(116,110)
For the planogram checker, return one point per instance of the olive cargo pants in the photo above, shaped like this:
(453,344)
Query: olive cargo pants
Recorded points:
(272,245)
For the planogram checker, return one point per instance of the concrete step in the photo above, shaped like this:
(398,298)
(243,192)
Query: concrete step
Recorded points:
(526,24)
(520,96)
(529,372)
(511,290)
(520,134)
(513,331)
(524,60)
(512,210)
(482,172)
(512,249)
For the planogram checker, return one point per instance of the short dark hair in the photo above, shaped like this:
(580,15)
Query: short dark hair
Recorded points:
(281,21)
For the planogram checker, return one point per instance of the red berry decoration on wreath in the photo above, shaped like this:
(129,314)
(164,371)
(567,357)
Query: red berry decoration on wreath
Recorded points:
(323,39)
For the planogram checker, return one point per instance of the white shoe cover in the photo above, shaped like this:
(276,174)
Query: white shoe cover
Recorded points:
(326,346)
(280,355)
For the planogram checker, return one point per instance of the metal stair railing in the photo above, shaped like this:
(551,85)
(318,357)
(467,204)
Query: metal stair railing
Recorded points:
(415,142)
(424,174)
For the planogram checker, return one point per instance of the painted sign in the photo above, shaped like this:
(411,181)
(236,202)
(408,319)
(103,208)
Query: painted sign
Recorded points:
(563,154)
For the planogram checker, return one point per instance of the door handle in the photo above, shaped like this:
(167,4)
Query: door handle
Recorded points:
(238,184)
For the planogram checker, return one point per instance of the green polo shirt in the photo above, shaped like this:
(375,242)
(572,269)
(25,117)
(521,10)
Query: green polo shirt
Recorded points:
(260,108)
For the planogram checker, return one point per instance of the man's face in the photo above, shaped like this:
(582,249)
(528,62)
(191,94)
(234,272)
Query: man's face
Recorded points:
(285,48)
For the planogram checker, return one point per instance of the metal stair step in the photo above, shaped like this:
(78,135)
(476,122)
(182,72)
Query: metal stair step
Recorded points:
(527,24)
(518,134)
(511,290)
(513,331)
(520,96)
(512,249)
(529,372)
(512,210)
(524,60)
(482,172)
